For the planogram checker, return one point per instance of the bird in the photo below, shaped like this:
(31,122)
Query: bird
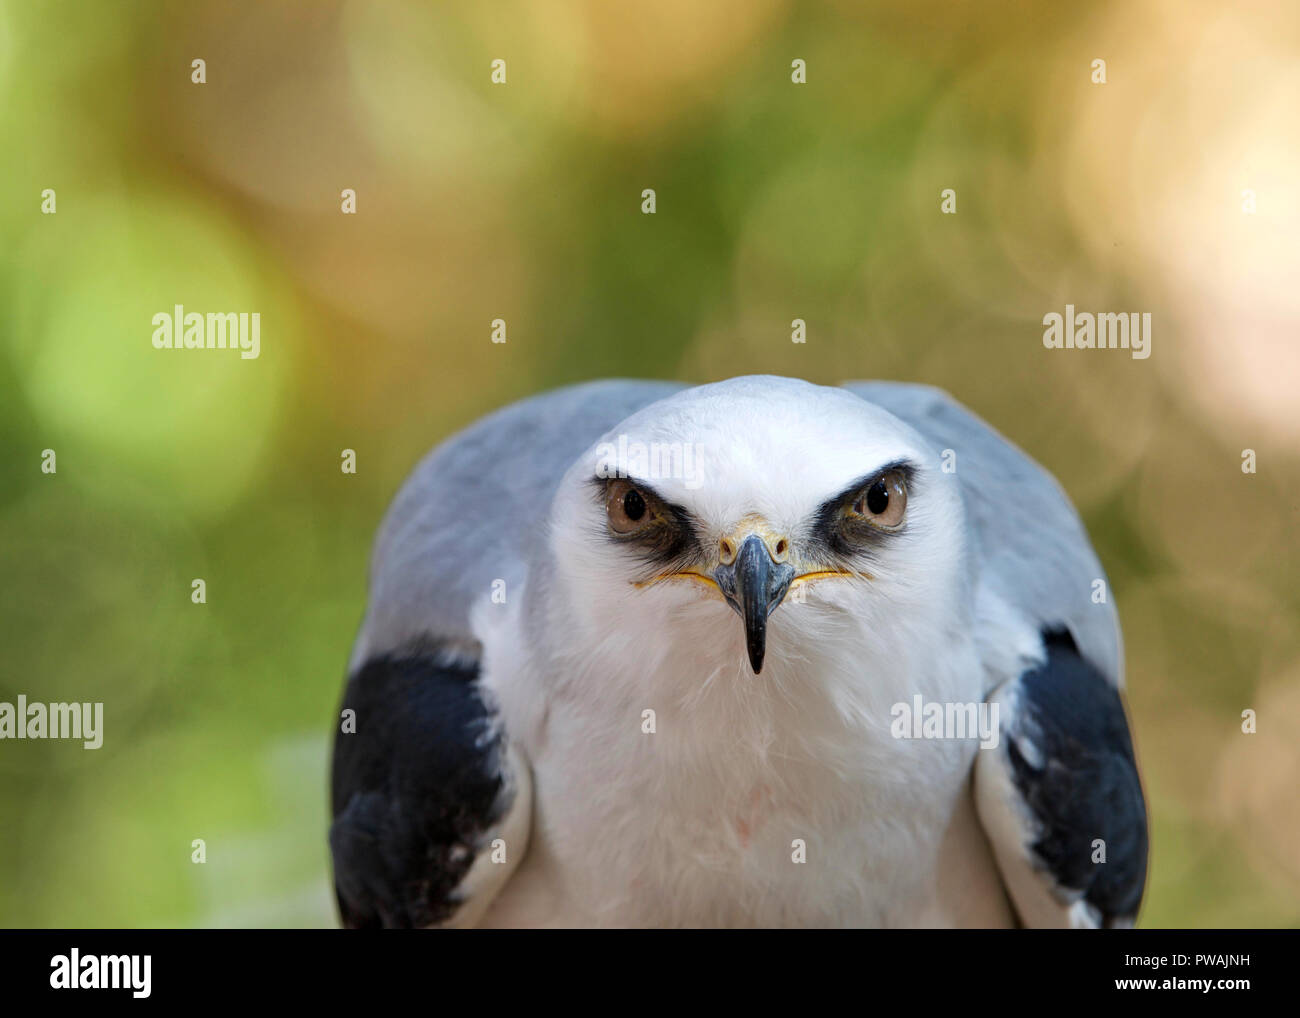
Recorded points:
(634,655)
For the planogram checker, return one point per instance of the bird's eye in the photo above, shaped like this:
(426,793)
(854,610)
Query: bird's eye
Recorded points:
(628,508)
(883,502)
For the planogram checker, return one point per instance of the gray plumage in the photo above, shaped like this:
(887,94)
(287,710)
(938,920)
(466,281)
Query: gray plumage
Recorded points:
(417,806)
(471,510)
(495,478)
(1030,544)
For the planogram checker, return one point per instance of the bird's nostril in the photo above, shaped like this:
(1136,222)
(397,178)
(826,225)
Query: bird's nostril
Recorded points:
(781,547)
(726,551)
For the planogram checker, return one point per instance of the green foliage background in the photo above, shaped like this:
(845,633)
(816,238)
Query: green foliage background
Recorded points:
(775,201)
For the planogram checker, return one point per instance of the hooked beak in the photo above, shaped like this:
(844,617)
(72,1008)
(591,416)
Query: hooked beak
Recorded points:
(754,584)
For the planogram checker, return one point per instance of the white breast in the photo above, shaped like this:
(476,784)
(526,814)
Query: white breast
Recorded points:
(703,822)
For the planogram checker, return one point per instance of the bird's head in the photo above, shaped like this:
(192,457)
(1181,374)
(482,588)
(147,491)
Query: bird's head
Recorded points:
(754,519)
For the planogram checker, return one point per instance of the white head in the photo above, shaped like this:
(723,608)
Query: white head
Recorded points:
(759,526)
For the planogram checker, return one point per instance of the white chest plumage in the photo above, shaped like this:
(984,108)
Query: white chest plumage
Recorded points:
(694,793)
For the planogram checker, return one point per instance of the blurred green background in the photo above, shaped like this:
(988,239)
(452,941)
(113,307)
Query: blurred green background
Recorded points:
(522,201)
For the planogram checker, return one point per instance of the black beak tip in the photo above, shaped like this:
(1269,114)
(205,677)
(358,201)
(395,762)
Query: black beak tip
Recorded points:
(754,585)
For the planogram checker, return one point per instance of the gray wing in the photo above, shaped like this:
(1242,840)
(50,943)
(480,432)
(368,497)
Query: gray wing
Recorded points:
(431,799)
(1031,551)
(473,510)
(1059,796)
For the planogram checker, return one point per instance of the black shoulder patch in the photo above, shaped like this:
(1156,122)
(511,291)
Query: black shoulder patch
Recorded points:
(1082,781)
(415,788)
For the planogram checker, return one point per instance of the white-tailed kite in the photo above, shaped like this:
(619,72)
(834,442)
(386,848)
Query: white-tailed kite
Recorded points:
(640,654)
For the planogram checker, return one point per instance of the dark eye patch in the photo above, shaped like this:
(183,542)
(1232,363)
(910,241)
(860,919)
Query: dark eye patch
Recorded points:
(669,542)
(845,537)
